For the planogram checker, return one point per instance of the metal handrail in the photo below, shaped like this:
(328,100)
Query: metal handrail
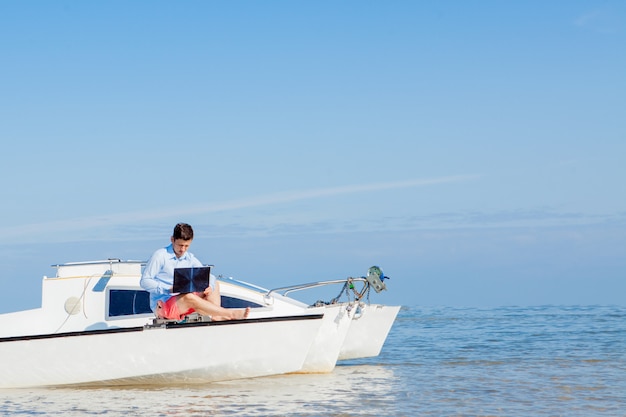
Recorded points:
(100,262)
(293,288)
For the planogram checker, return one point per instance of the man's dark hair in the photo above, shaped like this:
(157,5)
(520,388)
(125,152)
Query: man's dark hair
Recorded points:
(183,231)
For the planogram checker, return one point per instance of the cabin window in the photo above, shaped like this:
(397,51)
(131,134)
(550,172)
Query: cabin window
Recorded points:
(128,303)
(231,302)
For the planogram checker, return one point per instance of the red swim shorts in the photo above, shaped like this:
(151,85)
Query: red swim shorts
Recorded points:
(169,310)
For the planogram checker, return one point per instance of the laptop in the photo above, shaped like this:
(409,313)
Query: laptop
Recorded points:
(194,279)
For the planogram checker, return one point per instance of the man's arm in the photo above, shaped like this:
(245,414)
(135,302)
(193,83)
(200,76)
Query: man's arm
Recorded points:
(148,278)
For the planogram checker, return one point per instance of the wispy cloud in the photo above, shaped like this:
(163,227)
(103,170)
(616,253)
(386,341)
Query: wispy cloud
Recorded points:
(587,18)
(288,197)
(600,20)
(114,220)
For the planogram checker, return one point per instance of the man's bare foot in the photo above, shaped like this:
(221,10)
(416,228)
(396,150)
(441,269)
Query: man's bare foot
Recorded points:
(241,314)
(233,314)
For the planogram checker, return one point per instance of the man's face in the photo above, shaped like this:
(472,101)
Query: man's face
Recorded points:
(180,246)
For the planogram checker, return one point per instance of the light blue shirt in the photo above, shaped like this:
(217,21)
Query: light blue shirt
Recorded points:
(158,275)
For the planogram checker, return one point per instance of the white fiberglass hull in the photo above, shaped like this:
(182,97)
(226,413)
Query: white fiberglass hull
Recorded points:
(324,351)
(368,331)
(189,353)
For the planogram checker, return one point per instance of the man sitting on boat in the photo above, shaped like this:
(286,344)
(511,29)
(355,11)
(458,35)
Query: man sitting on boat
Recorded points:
(158,279)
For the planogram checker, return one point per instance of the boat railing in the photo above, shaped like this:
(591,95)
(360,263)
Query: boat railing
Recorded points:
(349,292)
(109,261)
(293,288)
(374,279)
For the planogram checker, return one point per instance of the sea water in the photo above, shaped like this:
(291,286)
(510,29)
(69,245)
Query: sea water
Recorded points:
(513,361)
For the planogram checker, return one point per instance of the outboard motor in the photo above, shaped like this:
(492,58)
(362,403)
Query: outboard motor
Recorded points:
(375,278)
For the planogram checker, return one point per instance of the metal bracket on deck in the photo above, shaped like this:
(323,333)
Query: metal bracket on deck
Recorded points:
(191,318)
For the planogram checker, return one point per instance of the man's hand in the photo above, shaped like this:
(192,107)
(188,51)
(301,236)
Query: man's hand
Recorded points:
(207,293)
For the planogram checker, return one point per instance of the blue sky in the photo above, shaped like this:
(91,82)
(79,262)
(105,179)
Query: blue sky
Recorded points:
(474,150)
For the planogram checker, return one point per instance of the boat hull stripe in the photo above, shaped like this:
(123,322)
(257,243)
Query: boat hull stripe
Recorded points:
(172,325)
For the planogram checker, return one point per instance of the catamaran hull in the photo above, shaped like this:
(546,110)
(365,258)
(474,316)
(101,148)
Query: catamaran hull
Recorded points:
(190,353)
(324,351)
(368,331)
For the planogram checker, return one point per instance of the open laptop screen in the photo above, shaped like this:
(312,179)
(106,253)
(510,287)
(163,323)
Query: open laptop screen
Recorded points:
(194,279)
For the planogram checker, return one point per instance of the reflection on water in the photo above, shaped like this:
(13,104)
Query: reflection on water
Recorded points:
(348,390)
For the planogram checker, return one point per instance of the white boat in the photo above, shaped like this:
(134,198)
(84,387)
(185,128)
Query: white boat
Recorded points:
(353,328)
(95,327)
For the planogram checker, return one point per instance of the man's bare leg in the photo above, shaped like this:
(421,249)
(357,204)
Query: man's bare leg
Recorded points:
(207,308)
